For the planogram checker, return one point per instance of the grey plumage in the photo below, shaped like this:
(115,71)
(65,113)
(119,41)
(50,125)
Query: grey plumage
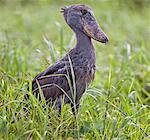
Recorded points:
(73,73)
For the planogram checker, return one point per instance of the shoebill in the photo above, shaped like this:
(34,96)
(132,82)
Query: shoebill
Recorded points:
(69,77)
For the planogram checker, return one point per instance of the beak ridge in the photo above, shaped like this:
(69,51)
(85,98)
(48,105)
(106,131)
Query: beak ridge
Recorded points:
(93,30)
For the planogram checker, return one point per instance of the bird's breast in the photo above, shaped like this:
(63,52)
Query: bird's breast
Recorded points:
(85,70)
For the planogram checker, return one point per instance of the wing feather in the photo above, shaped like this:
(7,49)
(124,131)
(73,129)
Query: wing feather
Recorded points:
(52,81)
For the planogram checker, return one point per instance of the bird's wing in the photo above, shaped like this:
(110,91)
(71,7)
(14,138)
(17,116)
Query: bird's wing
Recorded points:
(56,67)
(52,69)
(53,81)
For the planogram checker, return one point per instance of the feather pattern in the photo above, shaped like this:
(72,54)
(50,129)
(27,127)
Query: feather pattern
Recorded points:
(70,76)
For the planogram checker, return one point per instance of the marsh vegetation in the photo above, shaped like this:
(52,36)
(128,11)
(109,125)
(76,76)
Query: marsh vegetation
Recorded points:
(33,35)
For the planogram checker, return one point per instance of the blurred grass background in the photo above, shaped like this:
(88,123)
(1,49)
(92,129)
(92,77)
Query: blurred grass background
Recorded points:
(115,106)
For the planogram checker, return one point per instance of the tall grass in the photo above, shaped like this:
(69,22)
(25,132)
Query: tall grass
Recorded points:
(115,106)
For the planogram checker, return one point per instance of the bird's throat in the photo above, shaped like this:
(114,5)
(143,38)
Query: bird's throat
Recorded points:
(83,41)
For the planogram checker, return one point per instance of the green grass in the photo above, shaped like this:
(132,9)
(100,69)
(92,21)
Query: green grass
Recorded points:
(33,35)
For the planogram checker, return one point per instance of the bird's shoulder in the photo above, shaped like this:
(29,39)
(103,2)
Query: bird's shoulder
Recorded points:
(58,68)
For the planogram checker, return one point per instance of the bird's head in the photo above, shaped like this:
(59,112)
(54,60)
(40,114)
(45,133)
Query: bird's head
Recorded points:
(81,17)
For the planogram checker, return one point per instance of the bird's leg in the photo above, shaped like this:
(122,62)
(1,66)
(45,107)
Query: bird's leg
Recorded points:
(61,100)
(58,105)
(75,108)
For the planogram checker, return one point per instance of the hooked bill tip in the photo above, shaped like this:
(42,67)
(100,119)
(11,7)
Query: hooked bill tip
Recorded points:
(106,40)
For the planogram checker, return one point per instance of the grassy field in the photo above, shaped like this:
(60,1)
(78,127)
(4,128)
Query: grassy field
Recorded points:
(115,106)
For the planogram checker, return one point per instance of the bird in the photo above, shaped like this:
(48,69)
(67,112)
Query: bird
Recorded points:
(67,79)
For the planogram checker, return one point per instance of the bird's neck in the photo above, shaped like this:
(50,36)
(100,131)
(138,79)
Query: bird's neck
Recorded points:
(83,41)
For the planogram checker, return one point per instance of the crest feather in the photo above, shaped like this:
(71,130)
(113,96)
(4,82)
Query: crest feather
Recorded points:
(64,9)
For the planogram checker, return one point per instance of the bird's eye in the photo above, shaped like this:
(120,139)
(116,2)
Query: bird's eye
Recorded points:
(83,11)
